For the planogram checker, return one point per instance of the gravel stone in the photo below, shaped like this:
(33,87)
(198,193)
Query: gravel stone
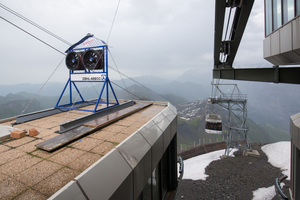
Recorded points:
(232,178)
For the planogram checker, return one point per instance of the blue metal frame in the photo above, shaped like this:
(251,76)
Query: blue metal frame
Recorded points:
(103,73)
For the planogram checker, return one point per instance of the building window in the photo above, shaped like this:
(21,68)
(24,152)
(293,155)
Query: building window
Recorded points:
(268,17)
(276,14)
(297,7)
(163,178)
(279,12)
(156,185)
(288,9)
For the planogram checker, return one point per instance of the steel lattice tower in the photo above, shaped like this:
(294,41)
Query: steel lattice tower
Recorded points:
(230,98)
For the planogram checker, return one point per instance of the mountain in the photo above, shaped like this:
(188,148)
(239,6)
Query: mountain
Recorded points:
(191,114)
(15,104)
(272,103)
(137,92)
(189,90)
(50,89)
(268,103)
(12,105)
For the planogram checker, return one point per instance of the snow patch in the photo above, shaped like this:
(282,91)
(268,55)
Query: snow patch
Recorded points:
(187,119)
(264,193)
(194,168)
(279,155)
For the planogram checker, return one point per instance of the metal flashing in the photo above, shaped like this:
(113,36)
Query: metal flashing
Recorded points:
(151,132)
(102,179)
(164,124)
(69,191)
(139,158)
(134,155)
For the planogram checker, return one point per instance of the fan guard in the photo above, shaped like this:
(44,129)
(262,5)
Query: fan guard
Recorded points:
(93,59)
(74,61)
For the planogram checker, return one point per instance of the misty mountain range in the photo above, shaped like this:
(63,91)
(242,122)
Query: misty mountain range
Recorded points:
(267,102)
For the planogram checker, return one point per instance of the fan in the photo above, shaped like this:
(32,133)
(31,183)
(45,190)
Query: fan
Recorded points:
(93,59)
(74,61)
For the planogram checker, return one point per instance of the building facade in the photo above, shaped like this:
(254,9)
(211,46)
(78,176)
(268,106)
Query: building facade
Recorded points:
(144,166)
(282,32)
(282,47)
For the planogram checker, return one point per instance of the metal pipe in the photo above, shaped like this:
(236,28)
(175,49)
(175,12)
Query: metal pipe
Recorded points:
(278,188)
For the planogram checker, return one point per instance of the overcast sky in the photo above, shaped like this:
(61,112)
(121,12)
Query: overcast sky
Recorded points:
(165,38)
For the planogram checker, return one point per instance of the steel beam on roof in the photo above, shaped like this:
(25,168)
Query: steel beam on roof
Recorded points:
(79,121)
(44,113)
(276,74)
(88,127)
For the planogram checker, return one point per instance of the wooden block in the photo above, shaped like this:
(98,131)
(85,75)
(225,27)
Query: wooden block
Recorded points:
(33,132)
(17,134)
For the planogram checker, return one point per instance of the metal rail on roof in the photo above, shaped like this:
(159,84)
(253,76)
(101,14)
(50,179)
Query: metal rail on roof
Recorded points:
(79,121)
(88,127)
(44,113)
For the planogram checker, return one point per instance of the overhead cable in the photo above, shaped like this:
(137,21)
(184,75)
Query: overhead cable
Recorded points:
(136,82)
(112,24)
(34,24)
(66,42)
(117,69)
(126,90)
(42,87)
(33,36)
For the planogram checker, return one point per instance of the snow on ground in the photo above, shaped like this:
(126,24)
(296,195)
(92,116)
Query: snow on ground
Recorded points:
(264,193)
(279,155)
(194,168)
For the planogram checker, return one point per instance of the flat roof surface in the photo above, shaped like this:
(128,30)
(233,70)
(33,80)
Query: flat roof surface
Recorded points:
(30,173)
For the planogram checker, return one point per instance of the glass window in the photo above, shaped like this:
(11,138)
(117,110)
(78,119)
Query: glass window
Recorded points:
(156,183)
(164,174)
(288,10)
(276,14)
(268,16)
(146,193)
(297,7)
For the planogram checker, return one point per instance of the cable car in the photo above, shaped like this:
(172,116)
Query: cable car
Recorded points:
(213,124)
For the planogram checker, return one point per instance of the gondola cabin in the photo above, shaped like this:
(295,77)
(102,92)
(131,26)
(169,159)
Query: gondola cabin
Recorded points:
(213,124)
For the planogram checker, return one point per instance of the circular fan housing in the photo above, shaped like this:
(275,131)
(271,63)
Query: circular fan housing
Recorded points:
(92,59)
(74,61)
